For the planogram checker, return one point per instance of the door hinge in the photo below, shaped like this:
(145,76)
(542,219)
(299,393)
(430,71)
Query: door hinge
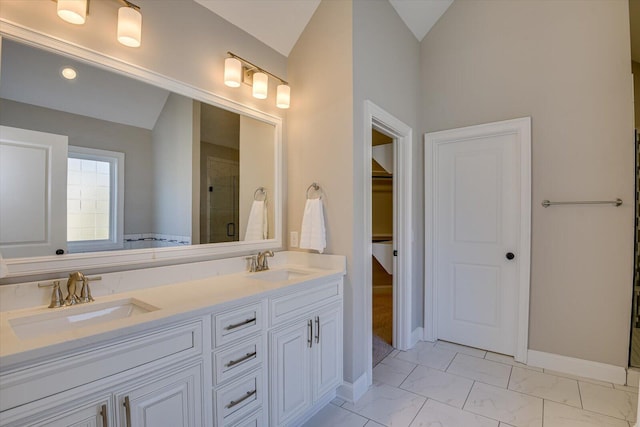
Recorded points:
(395,252)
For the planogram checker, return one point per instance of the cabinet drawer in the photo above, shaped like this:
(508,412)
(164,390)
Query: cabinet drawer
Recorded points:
(238,398)
(237,323)
(253,420)
(91,364)
(238,359)
(299,303)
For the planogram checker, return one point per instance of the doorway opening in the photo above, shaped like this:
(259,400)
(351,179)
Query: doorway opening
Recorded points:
(382,162)
(396,244)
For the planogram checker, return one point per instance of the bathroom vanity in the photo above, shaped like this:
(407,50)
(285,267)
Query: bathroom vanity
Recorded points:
(225,347)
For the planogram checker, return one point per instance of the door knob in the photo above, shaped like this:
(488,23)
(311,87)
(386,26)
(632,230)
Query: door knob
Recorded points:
(510,256)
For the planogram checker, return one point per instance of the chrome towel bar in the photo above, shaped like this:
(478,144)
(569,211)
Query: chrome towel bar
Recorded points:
(616,202)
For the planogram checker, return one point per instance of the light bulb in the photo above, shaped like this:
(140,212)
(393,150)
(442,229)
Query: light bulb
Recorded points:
(68,73)
(232,72)
(73,11)
(260,85)
(129,26)
(283,96)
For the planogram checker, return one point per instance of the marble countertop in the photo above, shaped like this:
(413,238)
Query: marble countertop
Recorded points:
(174,302)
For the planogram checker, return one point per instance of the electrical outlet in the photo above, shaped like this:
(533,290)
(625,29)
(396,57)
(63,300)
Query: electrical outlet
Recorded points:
(293,239)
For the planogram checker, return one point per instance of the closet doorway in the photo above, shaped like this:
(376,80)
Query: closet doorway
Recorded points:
(382,162)
(390,179)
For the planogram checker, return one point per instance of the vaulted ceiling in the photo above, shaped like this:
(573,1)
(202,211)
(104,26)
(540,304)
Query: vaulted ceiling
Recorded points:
(279,23)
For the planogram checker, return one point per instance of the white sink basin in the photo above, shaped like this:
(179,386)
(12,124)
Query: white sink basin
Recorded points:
(63,319)
(279,275)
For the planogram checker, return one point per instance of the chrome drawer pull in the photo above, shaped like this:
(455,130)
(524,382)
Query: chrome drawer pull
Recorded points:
(310,333)
(237,325)
(103,413)
(242,399)
(242,359)
(127,406)
(317,329)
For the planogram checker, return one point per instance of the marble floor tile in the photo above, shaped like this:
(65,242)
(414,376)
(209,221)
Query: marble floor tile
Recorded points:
(504,405)
(430,356)
(436,414)
(482,370)
(335,416)
(558,415)
(576,377)
(508,360)
(446,388)
(399,365)
(372,423)
(387,405)
(390,373)
(546,386)
(628,388)
(461,349)
(609,401)
(504,425)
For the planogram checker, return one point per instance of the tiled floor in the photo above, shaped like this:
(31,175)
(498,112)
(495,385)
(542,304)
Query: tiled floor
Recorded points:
(447,385)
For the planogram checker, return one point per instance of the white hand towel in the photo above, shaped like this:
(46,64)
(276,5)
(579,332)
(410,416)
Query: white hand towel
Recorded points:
(313,234)
(257,228)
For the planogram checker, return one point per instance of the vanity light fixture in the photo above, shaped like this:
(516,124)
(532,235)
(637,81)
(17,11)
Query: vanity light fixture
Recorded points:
(129,31)
(260,85)
(238,70)
(129,24)
(73,11)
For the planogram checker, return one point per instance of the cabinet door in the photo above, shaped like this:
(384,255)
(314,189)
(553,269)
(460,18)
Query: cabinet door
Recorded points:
(96,412)
(327,354)
(156,400)
(290,373)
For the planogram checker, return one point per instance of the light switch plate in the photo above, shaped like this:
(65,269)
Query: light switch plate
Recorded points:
(293,239)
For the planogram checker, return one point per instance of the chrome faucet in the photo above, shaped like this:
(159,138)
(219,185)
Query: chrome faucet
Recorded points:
(262,263)
(73,283)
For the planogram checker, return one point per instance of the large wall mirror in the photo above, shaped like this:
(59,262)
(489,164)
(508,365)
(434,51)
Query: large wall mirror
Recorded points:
(102,161)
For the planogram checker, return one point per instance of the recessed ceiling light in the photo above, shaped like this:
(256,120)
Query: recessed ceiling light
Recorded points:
(68,73)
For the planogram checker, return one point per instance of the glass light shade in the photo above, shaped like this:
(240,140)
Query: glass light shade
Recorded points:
(283,96)
(129,26)
(260,85)
(232,72)
(73,11)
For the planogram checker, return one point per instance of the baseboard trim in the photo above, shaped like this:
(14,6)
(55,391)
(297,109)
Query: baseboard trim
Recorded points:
(416,335)
(352,392)
(580,367)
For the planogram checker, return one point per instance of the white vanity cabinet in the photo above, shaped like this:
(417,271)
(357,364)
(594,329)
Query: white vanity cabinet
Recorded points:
(158,374)
(271,358)
(305,364)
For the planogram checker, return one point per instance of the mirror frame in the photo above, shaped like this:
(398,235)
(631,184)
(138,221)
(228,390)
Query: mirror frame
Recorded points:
(141,258)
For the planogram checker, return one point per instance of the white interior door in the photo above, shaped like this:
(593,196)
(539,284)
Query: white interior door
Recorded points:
(477,235)
(33,193)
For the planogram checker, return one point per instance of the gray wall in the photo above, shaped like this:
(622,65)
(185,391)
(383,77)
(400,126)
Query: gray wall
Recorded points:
(83,131)
(567,65)
(385,71)
(320,147)
(172,167)
(326,134)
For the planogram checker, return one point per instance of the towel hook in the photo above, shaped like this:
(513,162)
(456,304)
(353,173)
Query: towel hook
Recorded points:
(260,190)
(315,187)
